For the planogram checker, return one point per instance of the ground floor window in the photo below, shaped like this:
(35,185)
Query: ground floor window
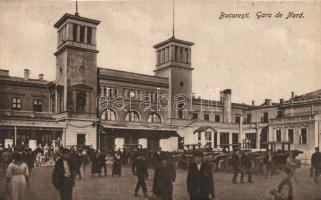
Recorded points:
(290,136)
(224,139)
(81,139)
(303,136)
(251,140)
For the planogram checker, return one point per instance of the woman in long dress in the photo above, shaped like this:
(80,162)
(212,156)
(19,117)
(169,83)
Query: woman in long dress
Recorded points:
(17,178)
(117,164)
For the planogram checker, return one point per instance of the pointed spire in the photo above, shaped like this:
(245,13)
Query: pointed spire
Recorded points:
(77,14)
(173,1)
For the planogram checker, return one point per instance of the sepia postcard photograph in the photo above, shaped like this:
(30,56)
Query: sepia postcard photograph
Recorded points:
(160,100)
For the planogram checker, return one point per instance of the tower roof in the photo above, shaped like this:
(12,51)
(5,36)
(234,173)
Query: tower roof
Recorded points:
(173,39)
(76,17)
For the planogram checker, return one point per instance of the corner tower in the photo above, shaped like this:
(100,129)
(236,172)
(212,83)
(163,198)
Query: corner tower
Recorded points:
(76,63)
(173,61)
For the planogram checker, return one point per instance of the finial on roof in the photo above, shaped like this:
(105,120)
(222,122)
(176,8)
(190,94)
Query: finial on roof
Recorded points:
(173,18)
(77,14)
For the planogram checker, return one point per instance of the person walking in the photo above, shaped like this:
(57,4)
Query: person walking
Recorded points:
(102,162)
(246,167)
(78,160)
(63,176)
(140,170)
(164,176)
(236,164)
(268,161)
(200,182)
(95,167)
(315,169)
(291,165)
(117,164)
(17,178)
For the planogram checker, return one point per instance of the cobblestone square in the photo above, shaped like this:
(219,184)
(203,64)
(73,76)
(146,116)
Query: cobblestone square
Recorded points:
(122,188)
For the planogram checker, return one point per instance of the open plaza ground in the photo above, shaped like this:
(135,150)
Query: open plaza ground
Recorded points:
(122,188)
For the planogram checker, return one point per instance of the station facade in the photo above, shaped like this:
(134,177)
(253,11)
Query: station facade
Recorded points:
(108,108)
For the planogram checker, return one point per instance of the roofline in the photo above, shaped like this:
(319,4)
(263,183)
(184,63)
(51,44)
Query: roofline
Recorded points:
(173,39)
(67,15)
(132,73)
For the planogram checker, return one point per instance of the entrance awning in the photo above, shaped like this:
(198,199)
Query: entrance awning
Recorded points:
(140,132)
(204,128)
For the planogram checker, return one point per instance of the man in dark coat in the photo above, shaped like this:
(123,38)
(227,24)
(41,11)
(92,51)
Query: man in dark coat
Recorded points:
(95,165)
(246,166)
(140,170)
(78,160)
(63,176)
(316,164)
(164,177)
(102,162)
(236,164)
(200,183)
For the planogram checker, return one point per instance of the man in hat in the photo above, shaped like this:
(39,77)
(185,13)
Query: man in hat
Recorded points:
(200,183)
(315,164)
(164,176)
(63,176)
(236,164)
(141,171)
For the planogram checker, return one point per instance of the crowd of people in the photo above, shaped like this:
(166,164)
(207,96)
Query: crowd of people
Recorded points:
(17,163)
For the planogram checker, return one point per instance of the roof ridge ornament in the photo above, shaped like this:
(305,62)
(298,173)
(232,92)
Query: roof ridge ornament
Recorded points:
(173,2)
(77,14)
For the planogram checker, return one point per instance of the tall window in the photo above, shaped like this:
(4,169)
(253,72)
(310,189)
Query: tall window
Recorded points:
(265,118)
(278,136)
(237,119)
(217,118)
(208,138)
(224,138)
(290,136)
(37,105)
(199,136)
(252,140)
(16,103)
(89,35)
(81,101)
(206,117)
(74,32)
(82,33)
(154,118)
(180,111)
(109,115)
(132,117)
(194,116)
(248,118)
(235,138)
(303,136)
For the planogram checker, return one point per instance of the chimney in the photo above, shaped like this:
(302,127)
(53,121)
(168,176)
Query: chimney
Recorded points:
(292,94)
(253,103)
(41,77)
(281,101)
(226,97)
(268,102)
(26,74)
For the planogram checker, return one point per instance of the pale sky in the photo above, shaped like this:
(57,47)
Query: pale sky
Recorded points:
(257,59)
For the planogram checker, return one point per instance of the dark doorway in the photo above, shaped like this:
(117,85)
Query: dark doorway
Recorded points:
(153,144)
(81,139)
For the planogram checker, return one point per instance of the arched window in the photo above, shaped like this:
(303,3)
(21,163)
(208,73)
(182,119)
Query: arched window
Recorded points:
(154,118)
(132,116)
(109,115)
